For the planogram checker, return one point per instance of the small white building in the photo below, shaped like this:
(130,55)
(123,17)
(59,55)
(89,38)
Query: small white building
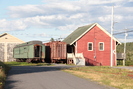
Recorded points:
(7,43)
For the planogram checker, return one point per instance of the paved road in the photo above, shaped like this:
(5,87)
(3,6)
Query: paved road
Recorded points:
(46,77)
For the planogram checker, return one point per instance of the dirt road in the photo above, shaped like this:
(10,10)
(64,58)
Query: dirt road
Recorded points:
(47,77)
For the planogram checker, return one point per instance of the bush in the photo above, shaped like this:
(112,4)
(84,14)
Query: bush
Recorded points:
(3,71)
(119,62)
(129,63)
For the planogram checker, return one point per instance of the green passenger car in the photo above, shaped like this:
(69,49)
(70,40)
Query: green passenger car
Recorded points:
(33,51)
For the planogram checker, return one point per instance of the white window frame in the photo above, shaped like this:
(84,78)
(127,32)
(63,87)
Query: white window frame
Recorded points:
(88,46)
(99,46)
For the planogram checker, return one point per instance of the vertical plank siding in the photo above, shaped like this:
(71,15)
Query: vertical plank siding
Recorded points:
(96,36)
(55,50)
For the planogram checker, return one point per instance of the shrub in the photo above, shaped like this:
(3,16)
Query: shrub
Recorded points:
(3,71)
(129,63)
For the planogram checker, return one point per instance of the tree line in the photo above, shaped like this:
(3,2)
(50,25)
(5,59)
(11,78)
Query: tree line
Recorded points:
(129,52)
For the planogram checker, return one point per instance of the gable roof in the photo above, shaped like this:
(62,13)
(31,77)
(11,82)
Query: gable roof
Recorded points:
(5,37)
(80,31)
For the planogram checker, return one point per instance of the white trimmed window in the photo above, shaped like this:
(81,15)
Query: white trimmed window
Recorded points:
(101,46)
(90,46)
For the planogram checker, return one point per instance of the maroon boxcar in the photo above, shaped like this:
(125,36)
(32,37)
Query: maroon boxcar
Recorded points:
(56,52)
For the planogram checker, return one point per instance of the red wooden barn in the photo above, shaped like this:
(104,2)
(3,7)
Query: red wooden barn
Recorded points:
(91,45)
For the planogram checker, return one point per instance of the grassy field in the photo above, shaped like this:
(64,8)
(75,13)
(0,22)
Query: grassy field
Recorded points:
(119,78)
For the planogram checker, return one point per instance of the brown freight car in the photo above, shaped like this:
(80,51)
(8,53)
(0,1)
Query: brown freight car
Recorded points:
(56,52)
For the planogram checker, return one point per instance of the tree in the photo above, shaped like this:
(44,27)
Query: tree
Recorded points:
(52,39)
(129,50)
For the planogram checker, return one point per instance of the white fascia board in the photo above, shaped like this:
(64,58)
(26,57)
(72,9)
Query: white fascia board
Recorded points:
(83,33)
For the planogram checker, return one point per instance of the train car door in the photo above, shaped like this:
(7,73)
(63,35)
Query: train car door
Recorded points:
(37,50)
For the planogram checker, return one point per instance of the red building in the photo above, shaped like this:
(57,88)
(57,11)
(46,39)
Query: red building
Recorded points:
(94,43)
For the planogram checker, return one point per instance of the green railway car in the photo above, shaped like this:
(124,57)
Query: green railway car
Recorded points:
(33,51)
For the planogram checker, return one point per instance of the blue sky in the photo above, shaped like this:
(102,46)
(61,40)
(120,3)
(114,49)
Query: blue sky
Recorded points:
(45,19)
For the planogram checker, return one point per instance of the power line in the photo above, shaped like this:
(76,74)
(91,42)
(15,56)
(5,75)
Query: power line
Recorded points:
(123,32)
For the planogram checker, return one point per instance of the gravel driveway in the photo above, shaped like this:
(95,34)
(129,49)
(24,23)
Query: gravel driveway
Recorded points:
(125,67)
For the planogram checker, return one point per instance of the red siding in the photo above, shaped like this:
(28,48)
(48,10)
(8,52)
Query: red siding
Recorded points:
(96,35)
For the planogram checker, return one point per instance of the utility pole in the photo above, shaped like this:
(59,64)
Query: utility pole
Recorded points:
(112,28)
(126,34)
(125,47)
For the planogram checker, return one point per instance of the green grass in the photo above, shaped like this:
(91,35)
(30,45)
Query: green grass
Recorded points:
(27,64)
(119,78)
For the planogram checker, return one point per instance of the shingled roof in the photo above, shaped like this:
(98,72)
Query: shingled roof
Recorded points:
(80,31)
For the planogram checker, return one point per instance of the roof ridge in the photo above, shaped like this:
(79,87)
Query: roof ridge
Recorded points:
(80,31)
(77,33)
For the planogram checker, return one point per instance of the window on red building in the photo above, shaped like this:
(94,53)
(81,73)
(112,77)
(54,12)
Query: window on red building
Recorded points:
(101,46)
(90,46)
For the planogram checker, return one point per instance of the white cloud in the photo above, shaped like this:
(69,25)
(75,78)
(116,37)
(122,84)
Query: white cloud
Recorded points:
(75,16)
(130,0)
(12,25)
(35,21)
(127,40)
(101,2)
(105,18)
(64,6)
(68,27)
(123,10)
(66,14)
(24,11)
(118,18)
(92,2)
(44,9)
(128,9)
